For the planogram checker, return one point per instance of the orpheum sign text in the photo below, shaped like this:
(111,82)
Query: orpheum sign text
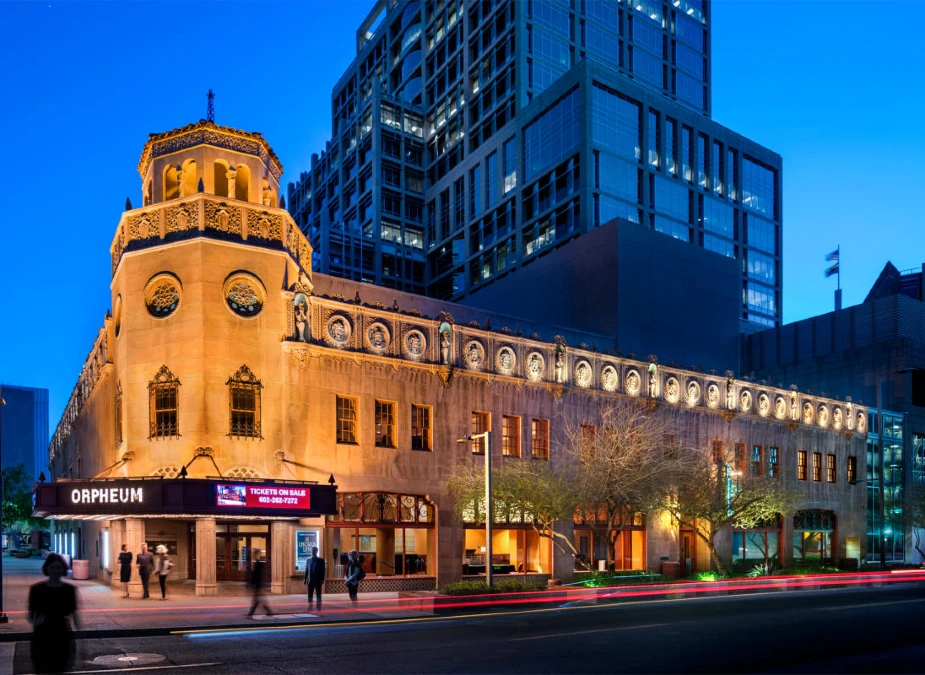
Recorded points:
(107,495)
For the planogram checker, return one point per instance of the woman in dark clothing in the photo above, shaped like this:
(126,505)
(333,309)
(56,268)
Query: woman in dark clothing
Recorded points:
(125,569)
(51,604)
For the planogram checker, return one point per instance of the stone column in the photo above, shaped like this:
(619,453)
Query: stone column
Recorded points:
(281,556)
(205,557)
(116,539)
(134,536)
(231,174)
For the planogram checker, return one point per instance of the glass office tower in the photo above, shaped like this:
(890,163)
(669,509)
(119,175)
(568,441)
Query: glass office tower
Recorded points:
(469,138)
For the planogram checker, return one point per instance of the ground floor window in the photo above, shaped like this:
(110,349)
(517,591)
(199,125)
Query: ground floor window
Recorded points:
(813,537)
(514,550)
(628,553)
(753,548)
(387,551)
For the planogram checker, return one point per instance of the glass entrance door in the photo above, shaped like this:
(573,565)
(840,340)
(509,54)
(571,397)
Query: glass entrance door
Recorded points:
(234,554)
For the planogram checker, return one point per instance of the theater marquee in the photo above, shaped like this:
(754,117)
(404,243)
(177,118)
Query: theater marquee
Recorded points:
(186,496)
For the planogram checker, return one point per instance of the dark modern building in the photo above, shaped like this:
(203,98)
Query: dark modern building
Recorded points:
(470,140)
(879,344)
(24,428)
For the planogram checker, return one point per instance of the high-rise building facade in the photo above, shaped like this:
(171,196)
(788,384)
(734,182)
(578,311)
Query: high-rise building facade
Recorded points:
(24,428)
(468,139)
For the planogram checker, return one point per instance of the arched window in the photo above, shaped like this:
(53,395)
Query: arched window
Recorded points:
(190,184)
(242,183)
(171,184)
(244,404)
(220,178)
(164,404)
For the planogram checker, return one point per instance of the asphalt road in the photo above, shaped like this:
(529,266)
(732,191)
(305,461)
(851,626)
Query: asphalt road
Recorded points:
(837,631)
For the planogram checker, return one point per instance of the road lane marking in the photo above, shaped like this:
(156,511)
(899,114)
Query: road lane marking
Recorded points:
(585,632)
(129,670)
(870,604)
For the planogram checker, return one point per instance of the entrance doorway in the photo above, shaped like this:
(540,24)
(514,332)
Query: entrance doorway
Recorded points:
(688,553)
(236,548)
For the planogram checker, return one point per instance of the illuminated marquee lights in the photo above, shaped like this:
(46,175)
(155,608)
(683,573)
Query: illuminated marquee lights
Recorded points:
(263,496)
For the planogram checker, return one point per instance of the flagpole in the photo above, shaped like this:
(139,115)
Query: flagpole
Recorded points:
(838,290)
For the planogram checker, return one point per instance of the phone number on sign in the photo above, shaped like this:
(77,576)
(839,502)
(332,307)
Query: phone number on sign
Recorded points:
(277,500)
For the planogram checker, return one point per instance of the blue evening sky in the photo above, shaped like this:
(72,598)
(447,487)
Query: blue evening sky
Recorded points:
(834,87)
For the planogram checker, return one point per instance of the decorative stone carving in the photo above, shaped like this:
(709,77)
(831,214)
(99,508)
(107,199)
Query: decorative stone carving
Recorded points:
(505,361)
(583,374)
(244,294)
(693,393)
(745,401)
(633,383)
(837,419)
(862,423)
(301,326)
(794,412)
(536,366)
(265,225)
(415,344)
(162,295)
(256,147)
(223,217)
(713,395)
(652,377)
(242,472)
(730,391)
(181,218)
(780,408)
(609,378)
(822,416)
(446,341)
(144,226)
(764,405)
(808,413)
(672,390)
(378,337)
(560,359)
(474,355)
(339,330)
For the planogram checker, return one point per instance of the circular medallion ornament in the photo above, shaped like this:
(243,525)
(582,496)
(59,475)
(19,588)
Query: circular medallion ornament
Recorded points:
(162,295)
(505,360)
(474,355)
(339,329)
(583,374)
(808,413)
(822,416)
(244,295)
(672,390)
(745,401)
(378,338)
(415,344)
(536,366)
(862,423)
(609,378)
(837,419)
(712,395)
(633,381)
(780,408)
(764,405)
(693,393)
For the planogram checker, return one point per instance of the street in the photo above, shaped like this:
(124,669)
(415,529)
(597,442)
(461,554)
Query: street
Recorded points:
(848,630)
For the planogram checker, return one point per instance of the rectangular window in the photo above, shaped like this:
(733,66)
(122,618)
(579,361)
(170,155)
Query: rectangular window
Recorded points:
(830,468)
(852,469)
(616,123)
(817,467)
(475,191)
(757,460)
(773,462)
(164,402)
(716,166)
(801,464)
(654,138)
(671,151)
(510,164)
(420,428)
(245,403)
(346,420)
(759,187)
(717,452)
(385,424)
(739,458)
(481,422)
(491,189)
(702,160)
(553,136)
(510,436)
(118,416)
(687,154)
(540,433)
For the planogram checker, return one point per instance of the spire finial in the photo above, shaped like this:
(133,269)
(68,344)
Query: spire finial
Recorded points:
(210,108)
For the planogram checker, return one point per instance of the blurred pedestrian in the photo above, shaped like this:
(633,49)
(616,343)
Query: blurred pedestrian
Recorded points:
(125,569)
(163,565)
(314,576)
(145,563)
(354,574)
(256,582)
(52,609)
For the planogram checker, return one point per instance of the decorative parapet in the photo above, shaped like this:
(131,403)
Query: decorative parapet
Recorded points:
(337,324)
(94,370)
(203,215)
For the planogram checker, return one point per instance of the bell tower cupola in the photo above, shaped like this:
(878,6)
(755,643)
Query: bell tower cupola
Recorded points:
(205,157)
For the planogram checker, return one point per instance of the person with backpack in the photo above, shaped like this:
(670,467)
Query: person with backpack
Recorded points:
(354,574)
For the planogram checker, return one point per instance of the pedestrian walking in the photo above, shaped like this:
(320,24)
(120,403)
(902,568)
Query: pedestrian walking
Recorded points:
(52,610)
(125,569)
(164,565)
(314,576)
(256,581)
(354,574)
(145,563)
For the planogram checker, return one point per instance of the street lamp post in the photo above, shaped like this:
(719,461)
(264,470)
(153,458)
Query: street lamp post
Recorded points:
(3,617)
(488,511)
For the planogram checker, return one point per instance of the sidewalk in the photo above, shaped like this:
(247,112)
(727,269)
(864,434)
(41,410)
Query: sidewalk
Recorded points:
(102,610)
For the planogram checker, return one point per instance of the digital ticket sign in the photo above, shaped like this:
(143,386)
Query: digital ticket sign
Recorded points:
(263,496)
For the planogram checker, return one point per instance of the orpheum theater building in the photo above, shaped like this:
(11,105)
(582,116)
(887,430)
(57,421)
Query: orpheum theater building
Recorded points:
(234,401)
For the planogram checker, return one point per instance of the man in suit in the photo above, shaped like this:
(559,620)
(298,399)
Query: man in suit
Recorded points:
(314,576)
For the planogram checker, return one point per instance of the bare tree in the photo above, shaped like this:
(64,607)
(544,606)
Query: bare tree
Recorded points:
(914,514)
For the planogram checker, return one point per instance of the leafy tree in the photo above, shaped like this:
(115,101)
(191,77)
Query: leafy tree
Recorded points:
(716,492)
(914,513)
(17,499)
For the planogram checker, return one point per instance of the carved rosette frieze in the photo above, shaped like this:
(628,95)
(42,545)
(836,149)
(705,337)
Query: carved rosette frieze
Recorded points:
(474,355)
(584,374)
(414,344)
(610,380)
(338,330)
(377,337)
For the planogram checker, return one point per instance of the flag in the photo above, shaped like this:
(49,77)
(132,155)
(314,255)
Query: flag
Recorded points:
(833,256)
(832,270)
